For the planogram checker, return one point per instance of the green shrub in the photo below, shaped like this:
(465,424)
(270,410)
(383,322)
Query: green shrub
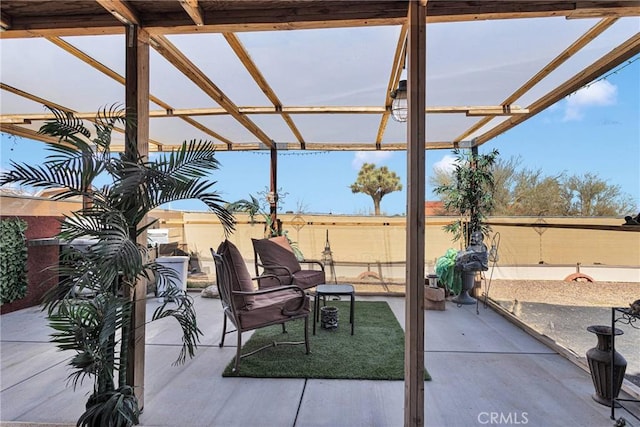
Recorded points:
(13,260)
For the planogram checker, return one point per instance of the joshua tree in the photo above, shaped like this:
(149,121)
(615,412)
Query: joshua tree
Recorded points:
(100,329)
(376,182)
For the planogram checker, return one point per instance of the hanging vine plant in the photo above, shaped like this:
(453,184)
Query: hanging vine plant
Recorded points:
(13,259)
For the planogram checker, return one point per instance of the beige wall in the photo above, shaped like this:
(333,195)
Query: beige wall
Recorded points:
(382,239)
(366,239)
(520,245)
(35,206)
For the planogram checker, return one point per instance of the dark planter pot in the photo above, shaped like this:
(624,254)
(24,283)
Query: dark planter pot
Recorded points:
(194,264)
(599,359)
(468,282)
(329,317)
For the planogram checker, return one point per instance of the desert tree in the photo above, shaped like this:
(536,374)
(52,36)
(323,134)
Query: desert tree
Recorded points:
(376,182)
(590,195)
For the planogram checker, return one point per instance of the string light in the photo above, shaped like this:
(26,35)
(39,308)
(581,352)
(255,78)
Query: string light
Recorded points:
(610,73)
(291,153)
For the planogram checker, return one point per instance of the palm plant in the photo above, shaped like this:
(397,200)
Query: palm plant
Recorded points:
(469,193)
(252,208)
(98,329)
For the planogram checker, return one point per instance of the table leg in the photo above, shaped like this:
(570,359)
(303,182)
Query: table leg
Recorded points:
(315,312)
(351,316)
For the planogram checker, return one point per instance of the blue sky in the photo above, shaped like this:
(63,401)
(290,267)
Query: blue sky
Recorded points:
(597,130)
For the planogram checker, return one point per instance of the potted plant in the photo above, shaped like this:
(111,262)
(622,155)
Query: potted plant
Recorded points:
(469,194)
(99,328)
(194,262)
(253,208)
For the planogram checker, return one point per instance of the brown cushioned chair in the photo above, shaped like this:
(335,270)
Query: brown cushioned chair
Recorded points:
(248,308)
(275,257)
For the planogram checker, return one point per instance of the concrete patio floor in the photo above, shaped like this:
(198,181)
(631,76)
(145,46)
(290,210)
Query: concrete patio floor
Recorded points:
(485,369)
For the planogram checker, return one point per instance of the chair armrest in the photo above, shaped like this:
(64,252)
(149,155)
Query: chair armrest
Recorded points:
(287,312)
(271,290)
(268,276)
(277,268)
(312,261)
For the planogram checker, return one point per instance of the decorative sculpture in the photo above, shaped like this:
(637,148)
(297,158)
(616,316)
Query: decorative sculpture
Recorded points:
(475,257)
(469,261)
(628,220)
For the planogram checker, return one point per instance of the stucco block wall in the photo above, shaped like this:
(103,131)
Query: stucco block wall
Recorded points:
(357,239)
(361,244)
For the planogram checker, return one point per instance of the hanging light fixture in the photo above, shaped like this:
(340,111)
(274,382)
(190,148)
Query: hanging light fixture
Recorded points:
(399,103)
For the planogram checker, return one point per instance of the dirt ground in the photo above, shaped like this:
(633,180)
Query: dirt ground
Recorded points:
(563,310)
(554,292)
(559,310)
(558,292)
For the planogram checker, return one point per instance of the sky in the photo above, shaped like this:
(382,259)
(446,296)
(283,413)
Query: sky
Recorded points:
(596,129)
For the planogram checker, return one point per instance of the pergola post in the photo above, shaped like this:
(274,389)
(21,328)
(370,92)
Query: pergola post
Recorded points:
(273,196)
(414,301)
(137,135)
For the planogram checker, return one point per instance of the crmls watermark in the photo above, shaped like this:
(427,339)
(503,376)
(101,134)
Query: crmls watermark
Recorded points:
(503,418)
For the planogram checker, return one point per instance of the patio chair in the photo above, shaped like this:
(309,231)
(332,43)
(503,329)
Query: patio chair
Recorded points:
(249,309)
(275,256)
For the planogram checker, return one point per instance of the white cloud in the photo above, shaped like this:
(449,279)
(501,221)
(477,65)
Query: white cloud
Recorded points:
(447,164)
(599,94)
(362,157)
(15,189)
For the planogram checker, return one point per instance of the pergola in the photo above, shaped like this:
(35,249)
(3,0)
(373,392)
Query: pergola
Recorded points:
(311,75)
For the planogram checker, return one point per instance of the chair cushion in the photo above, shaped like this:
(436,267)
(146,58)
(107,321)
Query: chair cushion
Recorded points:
(282,241)
(271,308)
(275,252)
(308,278)
(240,277)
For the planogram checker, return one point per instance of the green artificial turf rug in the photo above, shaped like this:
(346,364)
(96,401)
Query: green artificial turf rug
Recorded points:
(374,352)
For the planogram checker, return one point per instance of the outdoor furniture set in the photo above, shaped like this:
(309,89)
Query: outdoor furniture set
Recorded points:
(281,292)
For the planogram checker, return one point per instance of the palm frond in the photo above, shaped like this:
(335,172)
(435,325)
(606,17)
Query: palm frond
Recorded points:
(252,207)
(112,408)
(216,205)
(121,254)
(165,277)
(106,120)
(137,201)
(65,126)
(198,190)
(38,176)
(193,159)
(88,327)
(113,253)
(82,224)
(86,165)
(185,314)
(64,150)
